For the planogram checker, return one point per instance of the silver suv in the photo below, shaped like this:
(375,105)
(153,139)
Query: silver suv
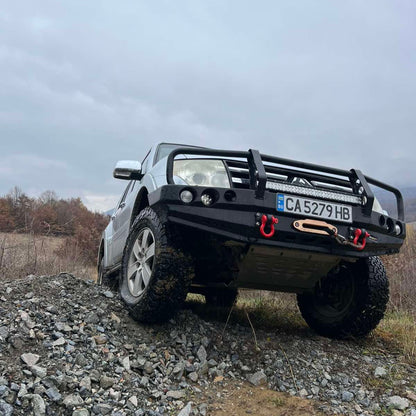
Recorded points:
(212,221)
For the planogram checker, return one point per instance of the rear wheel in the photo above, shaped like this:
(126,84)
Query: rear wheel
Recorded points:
(155,273)
(349,302)
(105,279)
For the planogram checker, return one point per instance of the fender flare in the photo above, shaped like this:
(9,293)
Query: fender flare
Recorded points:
(142,201)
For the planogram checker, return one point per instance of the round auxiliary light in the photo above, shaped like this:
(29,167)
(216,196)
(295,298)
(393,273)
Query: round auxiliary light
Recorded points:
(364,200)
(360,190)
(207,199)
(397,229)
(186,196)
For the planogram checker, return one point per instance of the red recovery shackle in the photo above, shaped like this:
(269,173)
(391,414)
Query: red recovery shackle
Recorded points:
(263,225)
(357,234)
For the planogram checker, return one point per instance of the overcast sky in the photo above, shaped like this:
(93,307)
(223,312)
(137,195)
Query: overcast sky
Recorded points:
(86,83)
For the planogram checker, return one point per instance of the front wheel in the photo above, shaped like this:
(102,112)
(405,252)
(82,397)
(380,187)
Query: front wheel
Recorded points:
(349,302)
(155,273)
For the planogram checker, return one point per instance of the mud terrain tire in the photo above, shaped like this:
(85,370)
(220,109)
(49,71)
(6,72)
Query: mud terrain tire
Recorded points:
(348,303)
(170,273)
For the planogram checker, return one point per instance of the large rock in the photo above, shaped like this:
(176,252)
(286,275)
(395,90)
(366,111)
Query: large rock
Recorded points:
(397,402)
(53,394)
(38,405)
(107,382)
(175,394)
(257,379)
(186,411)
(347,396)
(40,372)
(4,333)
(80,412)
(202,354)
(72,400)
(380,372)
(85,382)
(102,409)
(29,359)
(5,408)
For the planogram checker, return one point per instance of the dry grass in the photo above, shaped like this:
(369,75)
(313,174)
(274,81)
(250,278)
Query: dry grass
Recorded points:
(399,330)
(25,254)
(401,270)
(266,310)
(399,324)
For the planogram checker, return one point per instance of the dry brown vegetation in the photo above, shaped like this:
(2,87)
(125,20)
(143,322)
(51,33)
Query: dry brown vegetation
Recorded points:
(49,215)
(401,269)
(26,254)
(47,235)
(399,324)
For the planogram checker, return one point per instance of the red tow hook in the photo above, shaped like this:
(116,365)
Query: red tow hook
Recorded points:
(364,235)
(264,220)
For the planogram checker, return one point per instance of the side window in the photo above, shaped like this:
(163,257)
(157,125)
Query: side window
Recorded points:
(145,162)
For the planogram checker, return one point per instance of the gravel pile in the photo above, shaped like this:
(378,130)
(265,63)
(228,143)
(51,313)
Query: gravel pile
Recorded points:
(69,347)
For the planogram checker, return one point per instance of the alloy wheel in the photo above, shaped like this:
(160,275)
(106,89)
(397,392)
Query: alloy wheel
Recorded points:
(141,261)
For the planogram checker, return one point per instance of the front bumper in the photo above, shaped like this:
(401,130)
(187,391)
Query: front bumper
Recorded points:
(235,220)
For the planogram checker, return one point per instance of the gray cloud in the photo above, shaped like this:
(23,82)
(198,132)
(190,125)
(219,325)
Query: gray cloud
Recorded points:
(86,83)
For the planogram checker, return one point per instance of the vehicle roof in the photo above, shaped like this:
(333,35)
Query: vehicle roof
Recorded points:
(180,144)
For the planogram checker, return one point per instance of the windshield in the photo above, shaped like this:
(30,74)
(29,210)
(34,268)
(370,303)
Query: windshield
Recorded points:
(165,149)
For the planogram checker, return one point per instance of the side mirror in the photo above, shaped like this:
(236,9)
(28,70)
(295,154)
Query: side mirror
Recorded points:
(128,169)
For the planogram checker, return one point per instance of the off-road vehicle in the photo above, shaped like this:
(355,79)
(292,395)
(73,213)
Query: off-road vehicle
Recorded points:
(208,221)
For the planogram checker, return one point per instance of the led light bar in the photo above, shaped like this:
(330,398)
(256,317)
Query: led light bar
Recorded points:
(300,190)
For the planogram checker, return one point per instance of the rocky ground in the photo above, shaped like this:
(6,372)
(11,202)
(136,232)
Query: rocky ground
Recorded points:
(68,347)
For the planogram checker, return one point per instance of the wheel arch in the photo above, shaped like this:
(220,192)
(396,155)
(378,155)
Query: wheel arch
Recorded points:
(142,201)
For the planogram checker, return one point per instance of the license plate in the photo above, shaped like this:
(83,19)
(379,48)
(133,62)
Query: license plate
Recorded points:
(314,208)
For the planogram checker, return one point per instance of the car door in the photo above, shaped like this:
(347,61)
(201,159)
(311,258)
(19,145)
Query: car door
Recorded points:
(122,216)
(121,224)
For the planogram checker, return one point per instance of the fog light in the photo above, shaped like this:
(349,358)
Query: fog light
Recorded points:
(186,196)
(207,199)
(397,229)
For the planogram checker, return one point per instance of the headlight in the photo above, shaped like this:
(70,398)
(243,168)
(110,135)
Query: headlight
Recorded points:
(201,172)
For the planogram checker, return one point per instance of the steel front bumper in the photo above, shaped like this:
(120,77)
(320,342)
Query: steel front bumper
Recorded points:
(233,217)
